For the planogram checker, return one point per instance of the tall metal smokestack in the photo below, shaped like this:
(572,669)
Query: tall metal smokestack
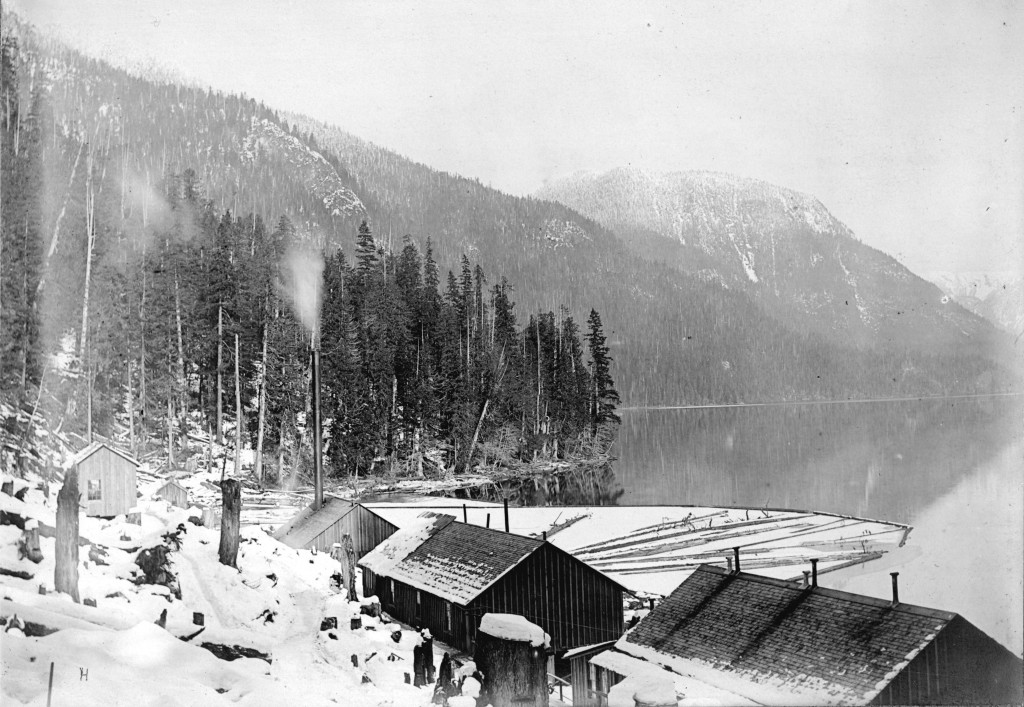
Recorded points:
(895,587)
(814,572)
(506,515)
(318,437)
(736,557)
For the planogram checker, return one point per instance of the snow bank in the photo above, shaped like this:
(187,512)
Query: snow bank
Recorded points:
(512,627)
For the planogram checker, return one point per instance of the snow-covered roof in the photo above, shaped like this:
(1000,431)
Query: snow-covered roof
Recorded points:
(308,524)
(454,561)
(691,688)
(95,447)
(513,627)
(387,556)
(775,641)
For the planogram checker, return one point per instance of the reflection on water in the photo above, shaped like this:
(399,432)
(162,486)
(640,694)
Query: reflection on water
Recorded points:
(951,468)
(876,460)
(586,485)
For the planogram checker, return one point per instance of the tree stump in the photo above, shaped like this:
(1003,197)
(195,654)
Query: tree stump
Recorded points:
(28,545)
(511,654)
(348,566)
(231,492)
(65,573)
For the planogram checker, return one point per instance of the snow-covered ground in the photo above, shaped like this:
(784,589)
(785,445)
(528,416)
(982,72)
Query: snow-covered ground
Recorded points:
(116,653)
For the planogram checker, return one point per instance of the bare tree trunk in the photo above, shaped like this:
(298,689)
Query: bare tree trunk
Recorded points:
(60,217)
(263,410)
(131,409)
(170,432)
(220,385)
(476,433)
(238,417)
(231,494)
(182,392)
(90,235)
(536,424)
(65,573)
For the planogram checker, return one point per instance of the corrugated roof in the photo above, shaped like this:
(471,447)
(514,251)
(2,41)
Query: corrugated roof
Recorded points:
(95,447)
(308,524)
(457,561)
(766,634)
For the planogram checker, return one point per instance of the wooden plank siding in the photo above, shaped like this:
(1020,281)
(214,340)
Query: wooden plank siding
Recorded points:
(571,601)
(962,665)
(580,672)
(173,492)
(368,530)
(117,483)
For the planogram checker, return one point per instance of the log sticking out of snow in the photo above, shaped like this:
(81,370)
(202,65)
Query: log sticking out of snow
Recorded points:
(512,627)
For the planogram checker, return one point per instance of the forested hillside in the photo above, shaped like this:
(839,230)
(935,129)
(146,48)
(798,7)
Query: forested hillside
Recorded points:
(146,224)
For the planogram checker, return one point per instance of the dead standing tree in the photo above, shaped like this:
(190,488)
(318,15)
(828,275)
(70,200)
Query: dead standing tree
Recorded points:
(231,493)
(65,573)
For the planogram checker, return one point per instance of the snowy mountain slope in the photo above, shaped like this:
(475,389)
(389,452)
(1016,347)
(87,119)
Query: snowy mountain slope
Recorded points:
(997,296)
(309,166)
(781,247)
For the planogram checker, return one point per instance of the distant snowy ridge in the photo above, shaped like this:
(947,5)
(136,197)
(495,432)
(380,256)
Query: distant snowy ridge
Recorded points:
(780,246)
(997,296)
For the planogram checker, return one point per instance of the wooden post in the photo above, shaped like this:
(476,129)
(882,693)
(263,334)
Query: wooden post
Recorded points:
(231,492)
(65,573)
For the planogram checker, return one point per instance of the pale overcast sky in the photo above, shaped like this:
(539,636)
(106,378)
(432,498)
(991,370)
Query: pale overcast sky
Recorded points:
(904,118)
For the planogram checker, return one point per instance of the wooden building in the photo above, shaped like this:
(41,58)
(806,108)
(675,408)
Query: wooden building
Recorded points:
(106,480)
(743,639)
(173,492)
(337,517)
(445,575)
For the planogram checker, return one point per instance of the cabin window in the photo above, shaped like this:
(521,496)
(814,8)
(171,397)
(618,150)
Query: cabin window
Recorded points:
(391,588)
(448,615)
(95,492)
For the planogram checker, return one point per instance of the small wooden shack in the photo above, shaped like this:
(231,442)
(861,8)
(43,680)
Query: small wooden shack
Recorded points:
(174,492)
(106,480)
(337,517)
(445,575)
(511,654)
(741,638)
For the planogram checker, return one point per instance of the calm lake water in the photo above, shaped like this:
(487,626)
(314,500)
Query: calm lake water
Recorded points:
(952,468)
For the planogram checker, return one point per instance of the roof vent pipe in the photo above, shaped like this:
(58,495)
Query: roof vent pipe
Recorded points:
(807,578)
(488,520)
(728,560)
(814,572)
(506,515)
(736,557)
(895,587)
(465,515)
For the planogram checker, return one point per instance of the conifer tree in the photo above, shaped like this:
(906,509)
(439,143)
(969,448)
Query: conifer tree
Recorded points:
(603,396)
